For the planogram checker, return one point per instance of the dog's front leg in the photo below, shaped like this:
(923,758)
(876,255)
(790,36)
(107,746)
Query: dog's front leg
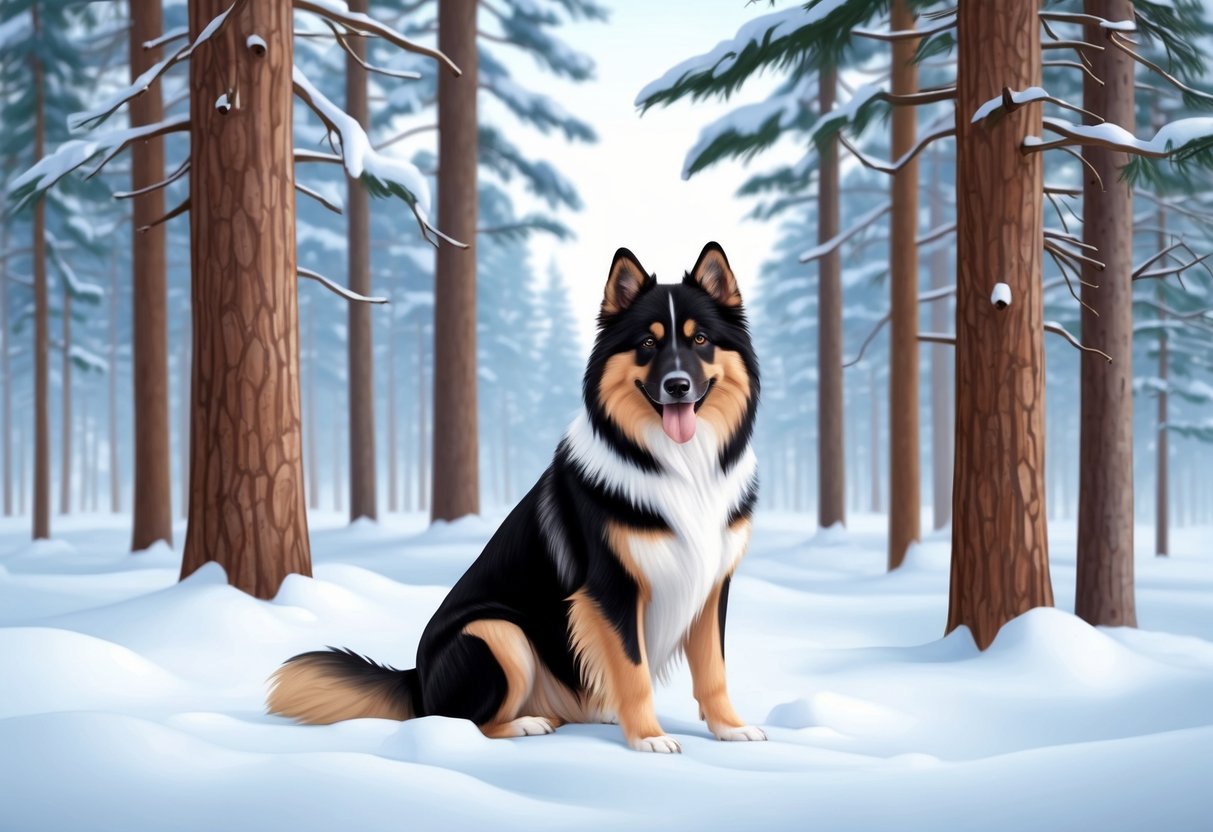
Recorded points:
(705,655)
(609,642)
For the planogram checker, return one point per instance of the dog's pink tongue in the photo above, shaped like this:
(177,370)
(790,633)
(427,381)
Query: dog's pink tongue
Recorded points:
(679,421)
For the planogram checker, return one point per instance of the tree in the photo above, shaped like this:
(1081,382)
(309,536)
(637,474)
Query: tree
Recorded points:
(361,373)
(831,459)
(152,502)
(1000,565)
(456,489)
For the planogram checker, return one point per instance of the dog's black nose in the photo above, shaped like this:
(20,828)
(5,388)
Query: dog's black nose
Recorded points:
(677,387)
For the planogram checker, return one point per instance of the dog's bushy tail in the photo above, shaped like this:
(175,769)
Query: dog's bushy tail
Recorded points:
(328,686)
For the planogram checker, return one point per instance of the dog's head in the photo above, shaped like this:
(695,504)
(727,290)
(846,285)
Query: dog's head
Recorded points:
(673,356)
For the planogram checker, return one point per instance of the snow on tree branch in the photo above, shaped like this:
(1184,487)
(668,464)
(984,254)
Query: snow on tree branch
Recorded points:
(338,12)
(336,288)
(1011,100)
(381,174)
(1058,329)
(819,251)
(1170,140)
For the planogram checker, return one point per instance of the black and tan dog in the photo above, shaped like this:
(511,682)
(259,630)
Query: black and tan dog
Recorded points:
(616,561)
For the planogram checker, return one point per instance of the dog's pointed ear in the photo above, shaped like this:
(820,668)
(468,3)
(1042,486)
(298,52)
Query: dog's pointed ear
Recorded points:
(625,283)
(713,274)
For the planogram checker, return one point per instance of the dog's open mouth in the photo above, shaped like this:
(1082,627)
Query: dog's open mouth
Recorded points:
(678,420)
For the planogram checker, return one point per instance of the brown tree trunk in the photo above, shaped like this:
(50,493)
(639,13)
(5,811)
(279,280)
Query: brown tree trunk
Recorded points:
(1162,520)
(152,496)
(423,476)
(185,373)
(876,501)
(831,462)
(1104,587)
(456,448)
(115,472)
(311,461)
(42,421)
(393,484)
(247,508)
(941,368)
(904,468)
(361,357)
(65,412)
(1000,564)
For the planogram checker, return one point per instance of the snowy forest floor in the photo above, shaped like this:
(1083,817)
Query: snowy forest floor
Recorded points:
(131,702)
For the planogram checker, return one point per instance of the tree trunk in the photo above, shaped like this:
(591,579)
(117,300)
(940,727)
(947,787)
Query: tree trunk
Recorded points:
(456,449)
(876,501)
(1104,587)
(152,496)
(65,412)
(941,368)
(831,462)
(905,514)
(311,461)
(423,476)
(1162,521)
(185,376)
(393,484)
(115,472)
(42,421)
(247,508)
(1000,564)
(361,357)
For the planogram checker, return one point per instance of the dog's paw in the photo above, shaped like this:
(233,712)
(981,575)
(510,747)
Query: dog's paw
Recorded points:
(530,726)
(743,733)
(658,745)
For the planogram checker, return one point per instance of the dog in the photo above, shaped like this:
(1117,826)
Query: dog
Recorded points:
(616,562)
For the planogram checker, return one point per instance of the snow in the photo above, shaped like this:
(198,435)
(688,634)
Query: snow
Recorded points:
(1169,137)
(748,119)
(1001,296)
(1017,97)
(720,58)
(132,701)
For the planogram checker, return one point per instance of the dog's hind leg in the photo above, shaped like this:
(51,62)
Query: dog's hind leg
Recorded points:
(514,658)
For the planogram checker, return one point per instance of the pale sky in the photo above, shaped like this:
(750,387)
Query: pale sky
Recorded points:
(630,181)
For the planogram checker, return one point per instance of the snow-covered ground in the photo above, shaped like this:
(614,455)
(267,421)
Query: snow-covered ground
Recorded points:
(131,702)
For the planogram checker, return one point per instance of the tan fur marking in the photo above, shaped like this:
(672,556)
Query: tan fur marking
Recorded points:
(616,684)
(705,656)
(658,330)
(689,327)
(308,690)
(622,402)
(730,396)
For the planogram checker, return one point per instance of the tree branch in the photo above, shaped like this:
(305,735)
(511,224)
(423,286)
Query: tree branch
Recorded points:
(176,212)
(336,289)
(1058,329)
(904,160)
(365,25)
(831,245)
(181,170)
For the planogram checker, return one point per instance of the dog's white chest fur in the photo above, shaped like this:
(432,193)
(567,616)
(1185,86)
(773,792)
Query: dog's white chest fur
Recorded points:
(695,498)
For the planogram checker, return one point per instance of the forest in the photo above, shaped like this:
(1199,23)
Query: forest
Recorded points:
(296,299)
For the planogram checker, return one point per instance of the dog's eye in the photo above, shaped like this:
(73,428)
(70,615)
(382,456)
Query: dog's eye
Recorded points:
(700,339)
(649,343)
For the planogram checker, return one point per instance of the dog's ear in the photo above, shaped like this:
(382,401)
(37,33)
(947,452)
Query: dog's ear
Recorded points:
(625,283)
(713,275)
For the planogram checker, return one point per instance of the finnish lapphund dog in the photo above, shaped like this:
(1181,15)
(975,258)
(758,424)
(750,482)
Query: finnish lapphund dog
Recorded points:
(616,562)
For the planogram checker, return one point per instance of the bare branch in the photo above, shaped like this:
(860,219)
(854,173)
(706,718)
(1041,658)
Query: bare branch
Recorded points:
(832,245)
(935,234)
(399,137)
(1076,65)
(1061,251)
(181,170)
(1121,43)
(924,297)
(349,50)
(904,160)
(365,25)
(337,289)
(937,338)
(1154,274)
(904,34)
(1077,45)
(920,97)
(176,212)
(319,197)
(1054,234)
(1058,329)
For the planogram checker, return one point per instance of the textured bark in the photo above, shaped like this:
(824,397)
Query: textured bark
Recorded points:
(185,375)
(115,471)
(905,496)
(246,507)
(456,447)
(1104,587)
(831,462)
(941,368)
(152,500)
(1000,565)
(42,422)
(65,408)
(1162,520)
(361,357)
